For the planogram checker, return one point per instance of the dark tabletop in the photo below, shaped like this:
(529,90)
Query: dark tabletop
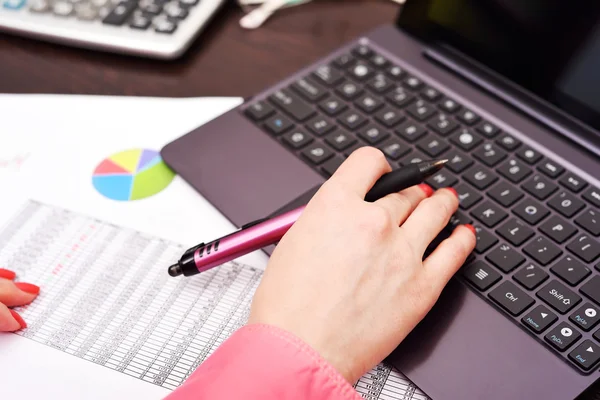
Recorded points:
(225,61)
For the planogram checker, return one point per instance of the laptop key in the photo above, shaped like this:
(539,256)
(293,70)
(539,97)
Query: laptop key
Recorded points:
(531,211)
(297,139)
(340,140)
(592,289)
(515,232)
(590,221)
(586,355)
(458,162)
(530,276)
(508,142)
(488,129)
(481,275)
(320,125)
(480,177)
(328,75)
(433,145)
(550,168)
(514,170)
(562,336)
(393,149)
(361,71)
(505,258)
(558,229)
(570,270)
(349,90)
(529,155)
(278,124)
(441,179)
(362,51)
(420,110)
(389,117)
(430,94)
(400,97)
(593,196)
(380,83)
(449,105)
(505,194)
(540,187)
(412,83)
(395,72)
(489,214)
(573,182)
(331,165)
(379,61)
(292,104)
(352,120)
(467,196)
(259,111)
(345,60)
(309,89)
(317,153)
(373,134)
(411,131)
(468,117)
(558,296)
(584,247)
(332,106)
(542,250)
(466,139)
(490,154)
(414,157)
(539,319)
(442,124)
(566,204)
(511,298)
(368,103)
(586,317)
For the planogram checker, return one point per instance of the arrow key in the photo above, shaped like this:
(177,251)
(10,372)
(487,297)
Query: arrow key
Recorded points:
(586,355)
(539,319)
(586,317)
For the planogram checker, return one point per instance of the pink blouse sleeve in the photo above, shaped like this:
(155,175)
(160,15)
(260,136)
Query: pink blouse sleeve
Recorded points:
(267,363)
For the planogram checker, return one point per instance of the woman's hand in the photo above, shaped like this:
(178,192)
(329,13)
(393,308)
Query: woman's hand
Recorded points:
(12,295)
(348,277)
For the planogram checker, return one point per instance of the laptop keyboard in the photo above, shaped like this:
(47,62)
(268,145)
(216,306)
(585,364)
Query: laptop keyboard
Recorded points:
(538,225)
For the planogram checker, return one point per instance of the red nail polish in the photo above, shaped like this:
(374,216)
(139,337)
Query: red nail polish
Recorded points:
(18,318)
(7,274)
(471,228)
(453,191)
(426,188)
(28,287)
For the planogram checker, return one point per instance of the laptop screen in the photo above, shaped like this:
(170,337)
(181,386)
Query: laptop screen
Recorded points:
(549,47)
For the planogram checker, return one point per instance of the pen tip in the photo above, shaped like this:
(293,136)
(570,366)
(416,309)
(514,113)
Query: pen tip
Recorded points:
(175,270)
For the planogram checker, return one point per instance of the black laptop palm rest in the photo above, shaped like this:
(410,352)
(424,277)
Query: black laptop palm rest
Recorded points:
(538,254)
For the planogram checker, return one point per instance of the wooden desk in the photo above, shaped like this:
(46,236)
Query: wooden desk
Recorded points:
(225,61)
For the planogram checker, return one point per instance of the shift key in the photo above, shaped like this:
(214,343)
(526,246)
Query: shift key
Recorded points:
(558,296)
(511,298)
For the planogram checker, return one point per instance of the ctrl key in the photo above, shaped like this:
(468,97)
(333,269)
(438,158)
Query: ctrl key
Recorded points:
(586,355)
(511,298)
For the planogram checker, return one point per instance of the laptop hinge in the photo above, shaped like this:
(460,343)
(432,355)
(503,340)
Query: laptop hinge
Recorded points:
(545,114)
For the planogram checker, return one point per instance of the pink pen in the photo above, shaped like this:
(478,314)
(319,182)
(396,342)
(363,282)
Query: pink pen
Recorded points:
(265,232)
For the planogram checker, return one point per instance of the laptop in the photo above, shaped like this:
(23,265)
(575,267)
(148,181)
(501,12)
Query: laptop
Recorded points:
(509,92)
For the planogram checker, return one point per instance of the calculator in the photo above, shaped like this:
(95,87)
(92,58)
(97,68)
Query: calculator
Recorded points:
(161,29)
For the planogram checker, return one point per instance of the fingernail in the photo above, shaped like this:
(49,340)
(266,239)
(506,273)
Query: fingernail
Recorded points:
(18,318)
(471,228)
(28,287)
(426,188)
(7,274)
(453,191)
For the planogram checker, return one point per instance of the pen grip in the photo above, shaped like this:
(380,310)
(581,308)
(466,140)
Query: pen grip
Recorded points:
(391,183)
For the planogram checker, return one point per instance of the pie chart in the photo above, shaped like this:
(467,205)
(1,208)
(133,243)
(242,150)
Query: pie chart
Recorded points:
(132,175)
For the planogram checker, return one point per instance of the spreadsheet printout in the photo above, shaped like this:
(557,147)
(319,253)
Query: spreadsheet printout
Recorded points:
(106,298)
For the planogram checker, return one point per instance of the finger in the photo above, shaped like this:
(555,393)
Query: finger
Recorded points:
(10,320)
(401,204)
(7,274)
(361,170)
(17,294)
(449,256)
(429,218)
